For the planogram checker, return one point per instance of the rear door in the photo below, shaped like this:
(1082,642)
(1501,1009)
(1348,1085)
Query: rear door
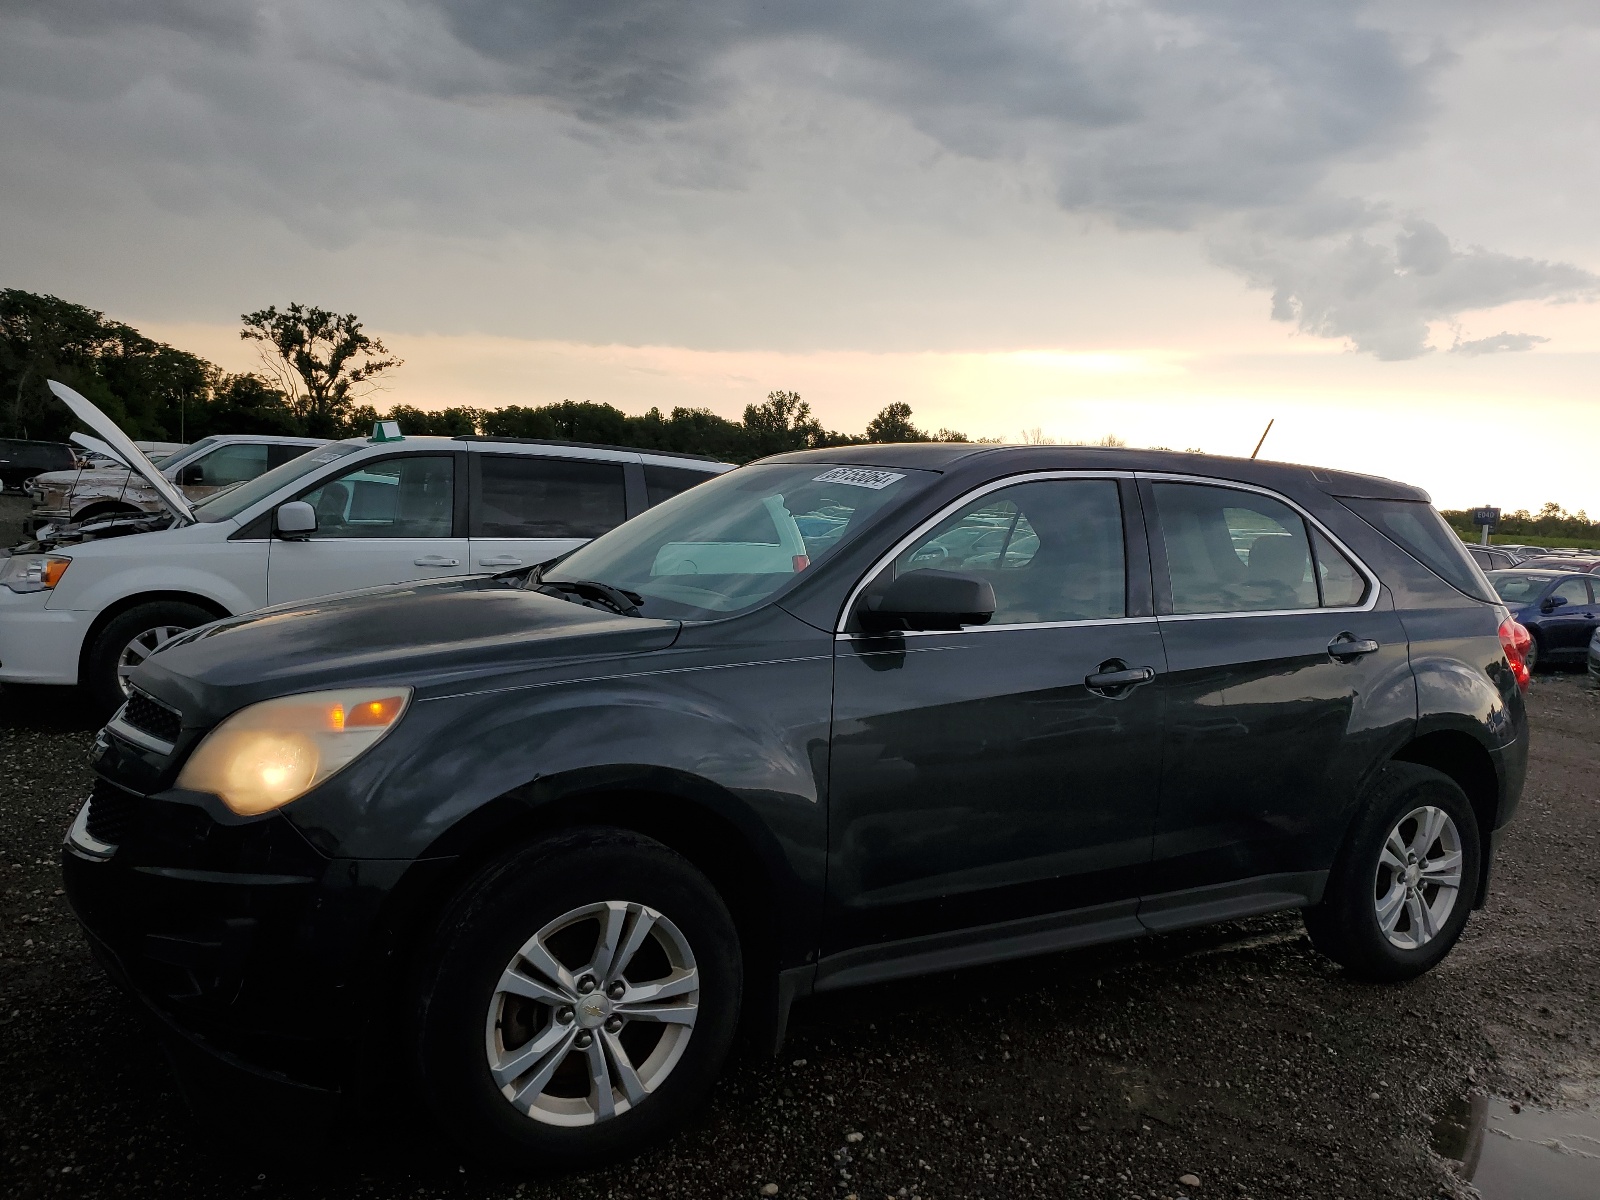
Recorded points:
(1281,650)
(388,520)
(528,508)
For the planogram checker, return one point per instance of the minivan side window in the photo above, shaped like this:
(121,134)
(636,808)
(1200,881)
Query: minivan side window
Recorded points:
(411,497)
(663,483)
(1052,550)
(526,497)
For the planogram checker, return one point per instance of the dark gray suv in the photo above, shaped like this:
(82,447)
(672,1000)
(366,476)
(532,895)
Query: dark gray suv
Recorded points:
(834,718)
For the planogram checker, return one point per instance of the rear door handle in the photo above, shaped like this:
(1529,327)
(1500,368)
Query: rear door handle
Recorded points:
(1120,678)
(437,560)
(500,560)
(1348,646)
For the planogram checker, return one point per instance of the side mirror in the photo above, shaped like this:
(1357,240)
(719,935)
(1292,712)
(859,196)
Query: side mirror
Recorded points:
(192,475)
(295,521)
(1551,603)
(930,599)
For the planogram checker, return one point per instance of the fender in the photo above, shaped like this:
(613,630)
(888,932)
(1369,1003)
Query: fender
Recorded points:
(120,582)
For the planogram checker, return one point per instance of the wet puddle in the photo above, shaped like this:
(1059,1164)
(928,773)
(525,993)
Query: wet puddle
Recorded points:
(1522,1153)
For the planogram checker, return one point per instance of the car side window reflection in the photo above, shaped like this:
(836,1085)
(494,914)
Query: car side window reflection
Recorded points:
(1236,551)
(1051,549)
(412,497)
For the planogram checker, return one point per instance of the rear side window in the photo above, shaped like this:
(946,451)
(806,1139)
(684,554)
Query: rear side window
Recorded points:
(1417,529)
(663,483)
(1235,551)
(526,497)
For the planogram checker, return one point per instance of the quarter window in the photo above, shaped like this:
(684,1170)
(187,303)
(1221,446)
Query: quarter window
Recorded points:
(411,497)
(526,497)
(1051,549)
(663,483)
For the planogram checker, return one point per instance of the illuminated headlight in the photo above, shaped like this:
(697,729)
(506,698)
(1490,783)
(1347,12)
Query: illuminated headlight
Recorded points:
(33,572)
(264,756)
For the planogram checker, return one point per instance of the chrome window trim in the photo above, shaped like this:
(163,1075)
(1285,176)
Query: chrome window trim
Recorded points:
(994,485)
(1374,585)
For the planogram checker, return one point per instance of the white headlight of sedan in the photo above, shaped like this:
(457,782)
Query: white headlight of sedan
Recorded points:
(266,755)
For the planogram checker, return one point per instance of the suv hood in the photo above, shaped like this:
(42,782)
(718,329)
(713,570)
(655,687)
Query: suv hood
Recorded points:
(126,450)
(435,636)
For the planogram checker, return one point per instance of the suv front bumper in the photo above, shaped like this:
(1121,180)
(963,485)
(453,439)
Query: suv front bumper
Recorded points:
(245,942)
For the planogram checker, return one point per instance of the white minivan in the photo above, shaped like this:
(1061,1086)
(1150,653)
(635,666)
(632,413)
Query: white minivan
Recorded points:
(387,509)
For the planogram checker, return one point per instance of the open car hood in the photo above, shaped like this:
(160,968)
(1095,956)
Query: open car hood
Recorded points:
(118,441)
(96,445)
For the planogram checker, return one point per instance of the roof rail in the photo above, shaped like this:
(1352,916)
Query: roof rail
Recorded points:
(522,441)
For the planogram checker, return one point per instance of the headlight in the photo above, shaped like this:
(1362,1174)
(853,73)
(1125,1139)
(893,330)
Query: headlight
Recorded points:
(264,756)
(33,572)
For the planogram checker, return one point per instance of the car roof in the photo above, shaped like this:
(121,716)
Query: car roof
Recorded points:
(278,439)
(951,456)
(562,449)
(1540,573)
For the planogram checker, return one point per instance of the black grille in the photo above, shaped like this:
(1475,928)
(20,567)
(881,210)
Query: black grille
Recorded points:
(152,717)
(112,813)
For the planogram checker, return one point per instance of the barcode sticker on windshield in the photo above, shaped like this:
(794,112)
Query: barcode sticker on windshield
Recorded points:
(859,477)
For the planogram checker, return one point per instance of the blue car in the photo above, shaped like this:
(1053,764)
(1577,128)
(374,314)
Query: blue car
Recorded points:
(1558,608)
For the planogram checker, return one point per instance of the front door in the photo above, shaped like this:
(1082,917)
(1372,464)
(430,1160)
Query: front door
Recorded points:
(385,521)
(985,776)
(528,509)
(1567,626)
(1286,670)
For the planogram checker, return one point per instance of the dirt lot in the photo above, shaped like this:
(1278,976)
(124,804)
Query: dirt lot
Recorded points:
(1237,1055)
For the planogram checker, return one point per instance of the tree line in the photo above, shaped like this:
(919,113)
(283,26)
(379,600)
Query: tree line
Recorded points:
(320,370)
(1551,525)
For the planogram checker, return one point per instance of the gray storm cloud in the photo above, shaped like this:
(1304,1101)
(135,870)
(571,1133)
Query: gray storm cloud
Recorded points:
(487,119)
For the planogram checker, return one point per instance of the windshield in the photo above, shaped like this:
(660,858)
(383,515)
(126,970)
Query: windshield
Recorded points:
(1516,588)
(728,544)
(183,452)
(222,506)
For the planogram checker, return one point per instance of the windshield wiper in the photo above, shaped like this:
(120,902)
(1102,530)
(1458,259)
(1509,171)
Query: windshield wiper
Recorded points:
(621,602)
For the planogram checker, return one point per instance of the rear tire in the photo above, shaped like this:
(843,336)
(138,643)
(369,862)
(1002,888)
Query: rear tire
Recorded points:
(1390,911)
(1533,653)
(519,1062)
(128,639)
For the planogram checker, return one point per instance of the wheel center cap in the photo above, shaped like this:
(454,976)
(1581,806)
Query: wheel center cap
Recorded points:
(1414,874)
(592,1010)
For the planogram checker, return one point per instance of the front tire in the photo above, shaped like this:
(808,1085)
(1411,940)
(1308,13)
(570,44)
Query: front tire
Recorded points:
(1533,653)
(577,1000)
(131,637)
(1401,890)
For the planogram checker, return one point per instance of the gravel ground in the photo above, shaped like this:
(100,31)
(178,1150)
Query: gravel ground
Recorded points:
(1236,1055)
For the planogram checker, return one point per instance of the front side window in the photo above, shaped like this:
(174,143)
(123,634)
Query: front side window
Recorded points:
(525,497)
(412,497)
(1052,550)
(730,543)
(225,465)
(230,504)
(1574,592)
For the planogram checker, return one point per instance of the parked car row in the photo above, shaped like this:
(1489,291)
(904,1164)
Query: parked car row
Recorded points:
(88,603)
(841,716)
(1560,609)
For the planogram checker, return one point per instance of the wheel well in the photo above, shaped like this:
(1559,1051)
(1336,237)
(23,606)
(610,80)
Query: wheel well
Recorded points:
(1463,758)
(101,507)
(112,611)
(713,844)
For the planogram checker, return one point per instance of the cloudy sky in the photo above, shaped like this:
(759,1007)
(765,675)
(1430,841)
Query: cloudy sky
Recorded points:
(1169,221)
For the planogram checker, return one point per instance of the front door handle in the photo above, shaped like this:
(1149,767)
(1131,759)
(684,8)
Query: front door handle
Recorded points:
(437,560)
(1347,647)
(1120,676)
(500,560)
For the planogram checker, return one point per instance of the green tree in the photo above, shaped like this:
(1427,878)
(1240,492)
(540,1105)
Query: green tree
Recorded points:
(893,424)
(321,360)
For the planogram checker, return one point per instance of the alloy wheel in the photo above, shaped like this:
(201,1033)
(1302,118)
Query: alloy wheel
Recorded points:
(592,1014)
(1418,880)
(141,647)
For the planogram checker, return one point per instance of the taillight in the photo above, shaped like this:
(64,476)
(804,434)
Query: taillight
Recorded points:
(1515,640)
